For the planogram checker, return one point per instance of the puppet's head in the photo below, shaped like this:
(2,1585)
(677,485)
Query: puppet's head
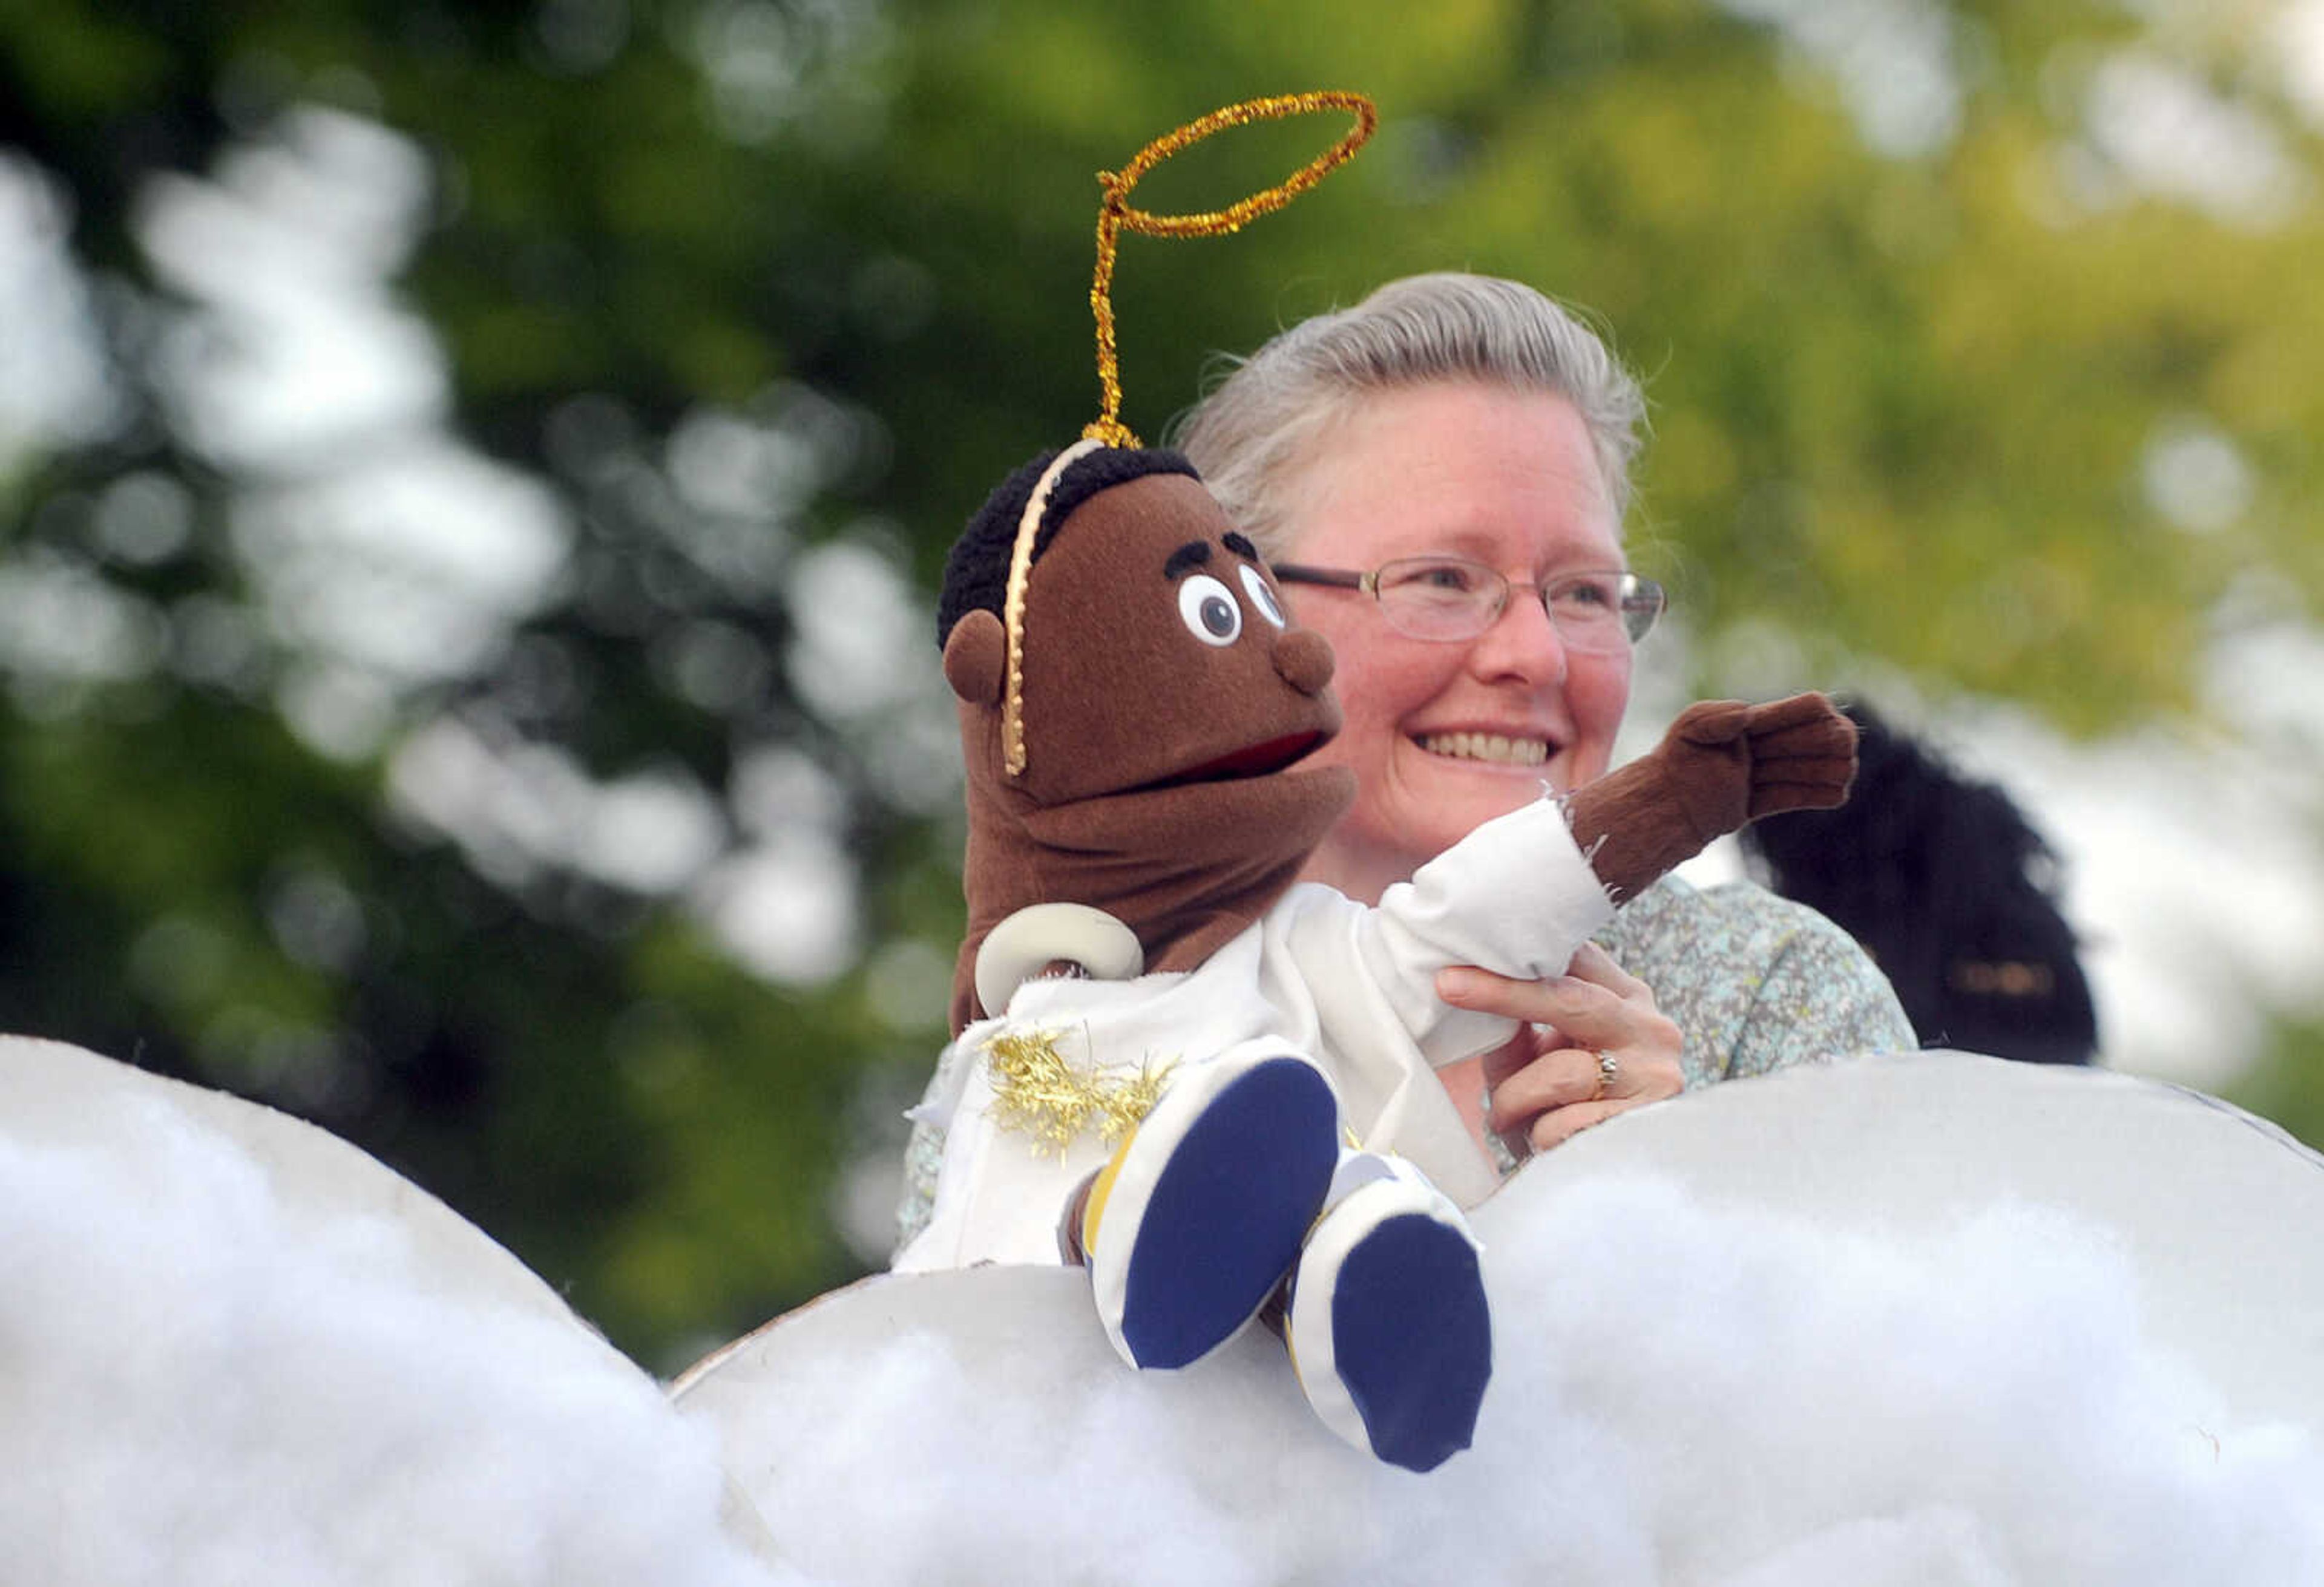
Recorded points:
(1135,743)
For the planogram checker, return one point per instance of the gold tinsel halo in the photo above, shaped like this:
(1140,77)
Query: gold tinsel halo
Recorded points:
(1114,213)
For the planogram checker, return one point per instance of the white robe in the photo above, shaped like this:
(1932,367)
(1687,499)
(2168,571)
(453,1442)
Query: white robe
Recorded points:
(1350,987)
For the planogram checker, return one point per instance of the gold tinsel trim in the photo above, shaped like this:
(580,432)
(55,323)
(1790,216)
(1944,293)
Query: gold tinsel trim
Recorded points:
(1012,605)
(1039,1092)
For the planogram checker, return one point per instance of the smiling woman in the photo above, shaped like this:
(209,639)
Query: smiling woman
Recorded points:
(1462,422)
(1443,734)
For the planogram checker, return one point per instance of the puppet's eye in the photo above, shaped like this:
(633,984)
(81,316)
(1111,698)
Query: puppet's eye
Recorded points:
(1254,584)
(1210,611)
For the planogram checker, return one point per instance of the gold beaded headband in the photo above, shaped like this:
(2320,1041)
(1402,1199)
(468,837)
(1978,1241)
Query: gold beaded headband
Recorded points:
(1113,214)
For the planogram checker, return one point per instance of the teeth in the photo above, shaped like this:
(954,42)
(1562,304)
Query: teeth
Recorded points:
(1487,746)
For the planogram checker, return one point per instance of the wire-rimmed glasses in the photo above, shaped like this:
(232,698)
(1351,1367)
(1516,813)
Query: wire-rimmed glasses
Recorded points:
(1452,598)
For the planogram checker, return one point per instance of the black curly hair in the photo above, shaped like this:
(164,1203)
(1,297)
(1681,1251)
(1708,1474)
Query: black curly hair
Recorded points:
(976,573)
(1950,889)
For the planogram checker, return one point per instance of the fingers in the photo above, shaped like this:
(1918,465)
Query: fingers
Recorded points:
(1713,722)
(1591,983)
(1812,741)
(1807,720)
(1824,767)
(1800,748)
(1647,1068)
(1589,1012)
(1527,1002)
(1563,1077)
(1837,773)
(1777,715)
(1529,1044)
(1467,987)
(1802,756)
(1564,1092)
(1804,782)
(1555,1129)
(1548,1085)
(1598,1005)
(1593,964)
(1775,798)
(1803,725)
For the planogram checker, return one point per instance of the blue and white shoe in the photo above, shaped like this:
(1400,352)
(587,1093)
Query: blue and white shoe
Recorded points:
(1388,1328)
(1192,1226)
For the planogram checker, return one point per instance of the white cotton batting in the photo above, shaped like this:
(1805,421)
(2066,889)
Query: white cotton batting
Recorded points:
(200,1389)
(1686,1396)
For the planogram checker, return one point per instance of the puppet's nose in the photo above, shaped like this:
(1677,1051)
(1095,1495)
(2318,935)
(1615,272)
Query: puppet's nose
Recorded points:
(1303,659)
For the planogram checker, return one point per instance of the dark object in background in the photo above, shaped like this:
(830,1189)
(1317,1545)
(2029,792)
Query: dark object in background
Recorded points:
(1948,887)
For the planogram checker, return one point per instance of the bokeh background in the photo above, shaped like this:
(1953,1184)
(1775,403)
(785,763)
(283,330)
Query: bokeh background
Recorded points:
(473,477)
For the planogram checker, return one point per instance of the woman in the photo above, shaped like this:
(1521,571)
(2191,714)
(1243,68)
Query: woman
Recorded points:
(1468,442)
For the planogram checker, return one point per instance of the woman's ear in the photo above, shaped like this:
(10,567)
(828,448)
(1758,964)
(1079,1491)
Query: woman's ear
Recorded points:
(974,656)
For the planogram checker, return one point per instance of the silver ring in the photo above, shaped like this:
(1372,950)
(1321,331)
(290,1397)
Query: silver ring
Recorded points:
(1609,1065)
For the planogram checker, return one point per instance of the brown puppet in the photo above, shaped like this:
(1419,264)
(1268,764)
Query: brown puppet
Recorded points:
(1209,1083)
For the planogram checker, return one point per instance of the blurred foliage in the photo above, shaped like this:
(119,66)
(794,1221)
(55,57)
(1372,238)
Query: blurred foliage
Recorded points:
(1905,404)
(2287,1084)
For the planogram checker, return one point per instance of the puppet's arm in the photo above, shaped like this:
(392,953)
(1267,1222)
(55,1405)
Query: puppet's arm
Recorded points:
(1722,765)
(1520,893)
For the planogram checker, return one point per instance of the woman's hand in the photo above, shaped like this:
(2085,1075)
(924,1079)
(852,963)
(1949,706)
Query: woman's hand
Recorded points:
(1546,1085)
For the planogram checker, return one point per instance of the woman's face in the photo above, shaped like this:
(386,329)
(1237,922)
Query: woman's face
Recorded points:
(1444,735)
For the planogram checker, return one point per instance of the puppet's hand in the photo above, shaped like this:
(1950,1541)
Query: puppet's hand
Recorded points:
(1722,764)
(1728,763)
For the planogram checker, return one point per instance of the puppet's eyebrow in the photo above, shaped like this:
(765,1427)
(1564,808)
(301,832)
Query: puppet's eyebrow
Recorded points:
(1192,554)
(1240,545)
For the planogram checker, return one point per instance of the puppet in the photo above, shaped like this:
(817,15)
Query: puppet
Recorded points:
(1210,1083)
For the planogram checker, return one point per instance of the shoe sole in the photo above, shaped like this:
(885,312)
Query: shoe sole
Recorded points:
(1413,1339)
(1389,1329)
(1224,1220)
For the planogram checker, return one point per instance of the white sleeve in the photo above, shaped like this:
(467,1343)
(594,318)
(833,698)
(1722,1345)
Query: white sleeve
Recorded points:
(1515,897)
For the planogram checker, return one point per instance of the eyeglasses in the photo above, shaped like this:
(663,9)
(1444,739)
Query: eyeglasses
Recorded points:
(1451,598)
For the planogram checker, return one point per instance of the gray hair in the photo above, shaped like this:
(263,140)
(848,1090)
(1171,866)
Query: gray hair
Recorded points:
(1247,433)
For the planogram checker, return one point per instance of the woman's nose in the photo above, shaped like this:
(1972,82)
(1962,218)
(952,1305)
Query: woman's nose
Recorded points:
(1303,659)
(1522,641)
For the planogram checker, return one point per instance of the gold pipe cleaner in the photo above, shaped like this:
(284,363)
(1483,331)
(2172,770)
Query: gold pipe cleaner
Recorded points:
(1113,214)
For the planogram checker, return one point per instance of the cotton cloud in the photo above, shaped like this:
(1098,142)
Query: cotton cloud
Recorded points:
(226,1361)
(206,1385)
(1687,1394)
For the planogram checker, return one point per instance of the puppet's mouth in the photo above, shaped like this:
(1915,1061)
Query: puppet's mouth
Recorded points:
(1255,761)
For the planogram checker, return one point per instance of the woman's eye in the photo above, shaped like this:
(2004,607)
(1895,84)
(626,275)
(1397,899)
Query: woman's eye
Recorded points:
(1262,599)
(1209,610)
(1449,577)
(1599,593)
